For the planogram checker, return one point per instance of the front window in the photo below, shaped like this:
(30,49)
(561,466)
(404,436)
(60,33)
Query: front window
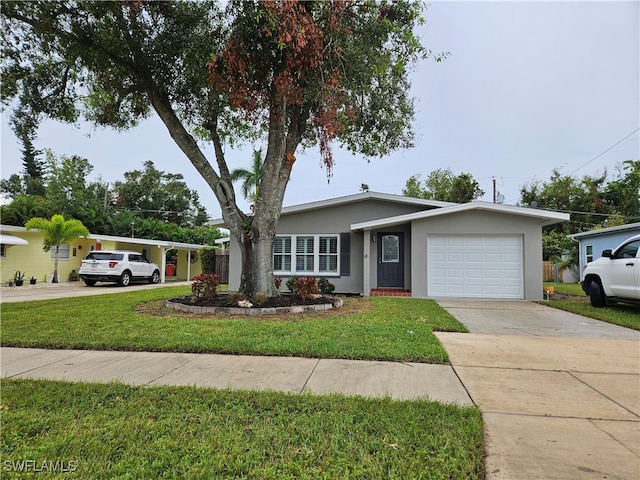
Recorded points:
(63,252)
(328,255)
(306,255)
(282,254)
(588,250)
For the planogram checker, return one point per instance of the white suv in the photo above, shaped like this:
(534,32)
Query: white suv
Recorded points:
(121,267)
(614,277)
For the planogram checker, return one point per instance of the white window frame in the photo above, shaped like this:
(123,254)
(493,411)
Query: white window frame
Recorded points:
(588,257)
(64,253)
(315,272)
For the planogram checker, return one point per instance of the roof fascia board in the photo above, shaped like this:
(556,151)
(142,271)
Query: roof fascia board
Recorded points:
(98,237)
(547,217)
(605,231)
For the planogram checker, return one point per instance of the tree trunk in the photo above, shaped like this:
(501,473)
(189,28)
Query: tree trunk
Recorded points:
(255,235)
(55,265)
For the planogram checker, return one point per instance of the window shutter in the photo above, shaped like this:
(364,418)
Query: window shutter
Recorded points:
(345,254)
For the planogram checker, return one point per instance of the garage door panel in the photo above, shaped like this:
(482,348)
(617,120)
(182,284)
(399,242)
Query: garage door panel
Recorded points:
(477,266)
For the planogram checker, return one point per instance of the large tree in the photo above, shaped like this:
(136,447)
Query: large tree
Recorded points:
(294,73)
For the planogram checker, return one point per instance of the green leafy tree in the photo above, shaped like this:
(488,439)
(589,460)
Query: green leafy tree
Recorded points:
(56,232)
(25,207)
(12,187)
(250,178)
(68,189)
(443,185)
(159,195)
(297,74)
(622,195)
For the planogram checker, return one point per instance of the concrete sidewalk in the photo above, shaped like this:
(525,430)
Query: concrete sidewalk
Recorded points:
(559,393)
(400,381)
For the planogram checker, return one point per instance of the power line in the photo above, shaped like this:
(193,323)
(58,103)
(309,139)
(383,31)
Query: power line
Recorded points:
(599,155)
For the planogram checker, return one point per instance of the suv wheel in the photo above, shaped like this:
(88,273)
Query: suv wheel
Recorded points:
(125,278)
(155,277)
(596,295)
(89,283)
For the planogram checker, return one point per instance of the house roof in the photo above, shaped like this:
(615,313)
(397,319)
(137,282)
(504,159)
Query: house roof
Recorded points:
(7,239)
(358,197)
(136,241)
(605,231)
(546,217)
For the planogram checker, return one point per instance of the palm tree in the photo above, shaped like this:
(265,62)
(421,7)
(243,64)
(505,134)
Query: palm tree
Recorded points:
(250,178)
(56,232)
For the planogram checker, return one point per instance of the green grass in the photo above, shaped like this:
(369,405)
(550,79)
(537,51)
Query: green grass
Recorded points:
(117,431)
(395,329)
(619,314)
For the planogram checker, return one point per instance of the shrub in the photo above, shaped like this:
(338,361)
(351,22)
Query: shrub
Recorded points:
(261,298)
(204,286)
(237,297)
(208,259)
(291,285)
(325,286)
(305,287)
(277,281)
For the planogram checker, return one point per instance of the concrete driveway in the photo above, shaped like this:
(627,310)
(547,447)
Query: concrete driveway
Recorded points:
(45,291)
(559,393)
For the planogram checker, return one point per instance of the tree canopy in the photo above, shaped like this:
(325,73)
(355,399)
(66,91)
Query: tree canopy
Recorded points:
(593,200)
(443,185)
(292,73)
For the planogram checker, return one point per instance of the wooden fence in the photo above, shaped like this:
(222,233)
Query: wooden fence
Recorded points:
(550,272)
(221,267)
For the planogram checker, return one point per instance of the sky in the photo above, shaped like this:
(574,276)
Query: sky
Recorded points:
(528,87)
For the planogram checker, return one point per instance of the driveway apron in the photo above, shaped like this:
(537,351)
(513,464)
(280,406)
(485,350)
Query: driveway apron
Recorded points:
(559,393)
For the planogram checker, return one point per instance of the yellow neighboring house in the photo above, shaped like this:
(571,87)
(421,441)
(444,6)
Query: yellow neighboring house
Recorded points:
(22,250)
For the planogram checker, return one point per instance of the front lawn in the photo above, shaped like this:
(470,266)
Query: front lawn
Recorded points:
(574,300)
(395,329)
(116,431)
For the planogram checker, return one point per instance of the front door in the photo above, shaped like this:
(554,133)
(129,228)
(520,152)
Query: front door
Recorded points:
(390,259)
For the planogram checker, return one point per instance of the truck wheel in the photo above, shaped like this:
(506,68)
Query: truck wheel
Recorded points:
(596,295)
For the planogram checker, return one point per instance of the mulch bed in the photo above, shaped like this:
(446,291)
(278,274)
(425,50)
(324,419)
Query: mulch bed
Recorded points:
(226,300)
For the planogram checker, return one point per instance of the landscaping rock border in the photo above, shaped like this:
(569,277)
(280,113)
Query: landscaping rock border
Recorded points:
(336,303)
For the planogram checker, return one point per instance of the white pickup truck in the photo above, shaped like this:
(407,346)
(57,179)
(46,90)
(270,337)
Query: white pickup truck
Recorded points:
(615,277)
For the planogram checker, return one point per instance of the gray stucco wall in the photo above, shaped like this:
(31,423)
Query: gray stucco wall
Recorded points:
(479,223)
(335,220)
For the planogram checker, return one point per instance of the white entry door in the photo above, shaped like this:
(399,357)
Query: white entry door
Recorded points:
(475,266)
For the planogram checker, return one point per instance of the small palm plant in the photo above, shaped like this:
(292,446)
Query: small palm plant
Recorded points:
(56,232)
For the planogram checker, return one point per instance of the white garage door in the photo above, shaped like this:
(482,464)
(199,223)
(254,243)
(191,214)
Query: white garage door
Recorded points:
(475,266)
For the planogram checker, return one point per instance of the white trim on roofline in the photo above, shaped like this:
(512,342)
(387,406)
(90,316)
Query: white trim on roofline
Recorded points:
(357,197)
(605,231)
(547,217)
(135,240)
